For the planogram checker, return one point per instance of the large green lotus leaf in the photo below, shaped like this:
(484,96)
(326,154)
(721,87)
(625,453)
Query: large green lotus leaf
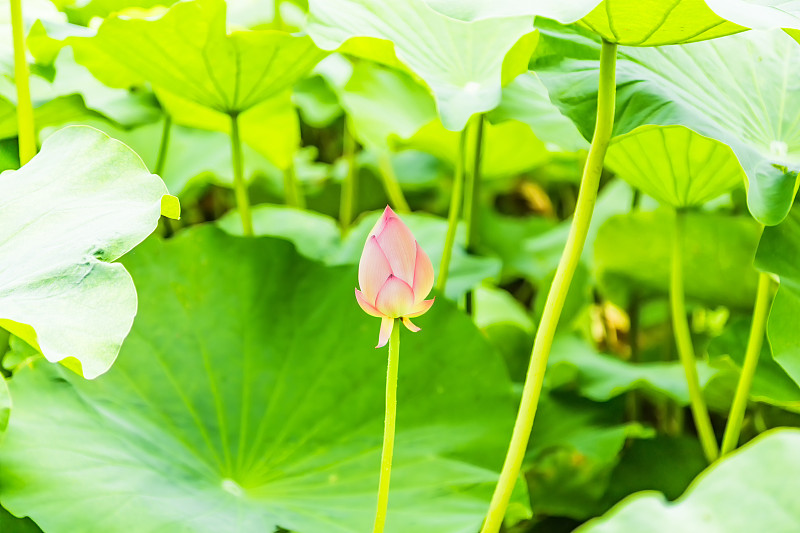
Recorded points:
(188,52)
(778,253)
(718,265)
(466,270)
(738,90)
(656,22)
(674,165)
(462,62)
(759,14)
(564,11)
(11,524)
(249,395)
(753,489)
(81,203)
(601,377)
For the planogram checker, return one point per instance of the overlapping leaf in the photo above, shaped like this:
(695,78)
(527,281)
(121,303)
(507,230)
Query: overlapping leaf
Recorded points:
(751,490)
(242,401)
(461,62)
(80,204)
(738,90)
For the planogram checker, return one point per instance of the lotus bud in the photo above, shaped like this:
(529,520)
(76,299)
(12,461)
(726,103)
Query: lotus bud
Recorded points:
(394,274)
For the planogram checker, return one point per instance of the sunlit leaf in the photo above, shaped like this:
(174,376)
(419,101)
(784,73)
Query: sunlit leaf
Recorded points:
(460,61)
(655,22)
(739,90)
(759,14)
(80,204)
(674,165)
(249,395)
(564,11)
(750,490)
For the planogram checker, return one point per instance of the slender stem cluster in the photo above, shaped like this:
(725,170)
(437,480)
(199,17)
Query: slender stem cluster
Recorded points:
(543,341)
(454,212)
(388,427)
(390,183)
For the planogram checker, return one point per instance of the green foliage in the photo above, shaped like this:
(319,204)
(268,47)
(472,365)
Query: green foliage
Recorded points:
(242,407)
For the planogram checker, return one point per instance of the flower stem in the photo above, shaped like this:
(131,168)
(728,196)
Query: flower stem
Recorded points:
(291,188)
(390,183)
(757,329)
(349,187)
(472,200)
(454,212)
(26,130)
(164,146)
(587,197)
(388,427)
(683,341)
(239,185)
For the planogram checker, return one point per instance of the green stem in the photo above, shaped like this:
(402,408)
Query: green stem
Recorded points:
(472,201)
(558,290)
(390,183)
(454,212)
(472,191)
(26,130)
(164,146)
(388,427)
(349,187)
(683,341)
(239,185)
(291,188)
(757,329)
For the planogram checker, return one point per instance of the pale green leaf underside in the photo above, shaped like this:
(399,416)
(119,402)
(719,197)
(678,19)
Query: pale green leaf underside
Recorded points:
(82,202)
(188,52)
(656,22)
(759,14)
(674,165)
(778,253)
(564,11)
(460,61)
(740,90)
(719,257)
(753,489)
(241,402)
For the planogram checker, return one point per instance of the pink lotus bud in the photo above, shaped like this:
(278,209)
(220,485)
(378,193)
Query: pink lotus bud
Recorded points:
(395,275)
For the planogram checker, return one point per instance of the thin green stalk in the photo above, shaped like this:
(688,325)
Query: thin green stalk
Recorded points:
(390,183)
(239,185)
(757,329)
(472,200)
(291,188)
(349,187)
(683,341)
(472,191)
(558,290)
(454,212)
(388,427)
(26,130)
(164,146)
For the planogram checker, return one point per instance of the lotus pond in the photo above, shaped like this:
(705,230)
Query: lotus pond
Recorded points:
(569,226)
